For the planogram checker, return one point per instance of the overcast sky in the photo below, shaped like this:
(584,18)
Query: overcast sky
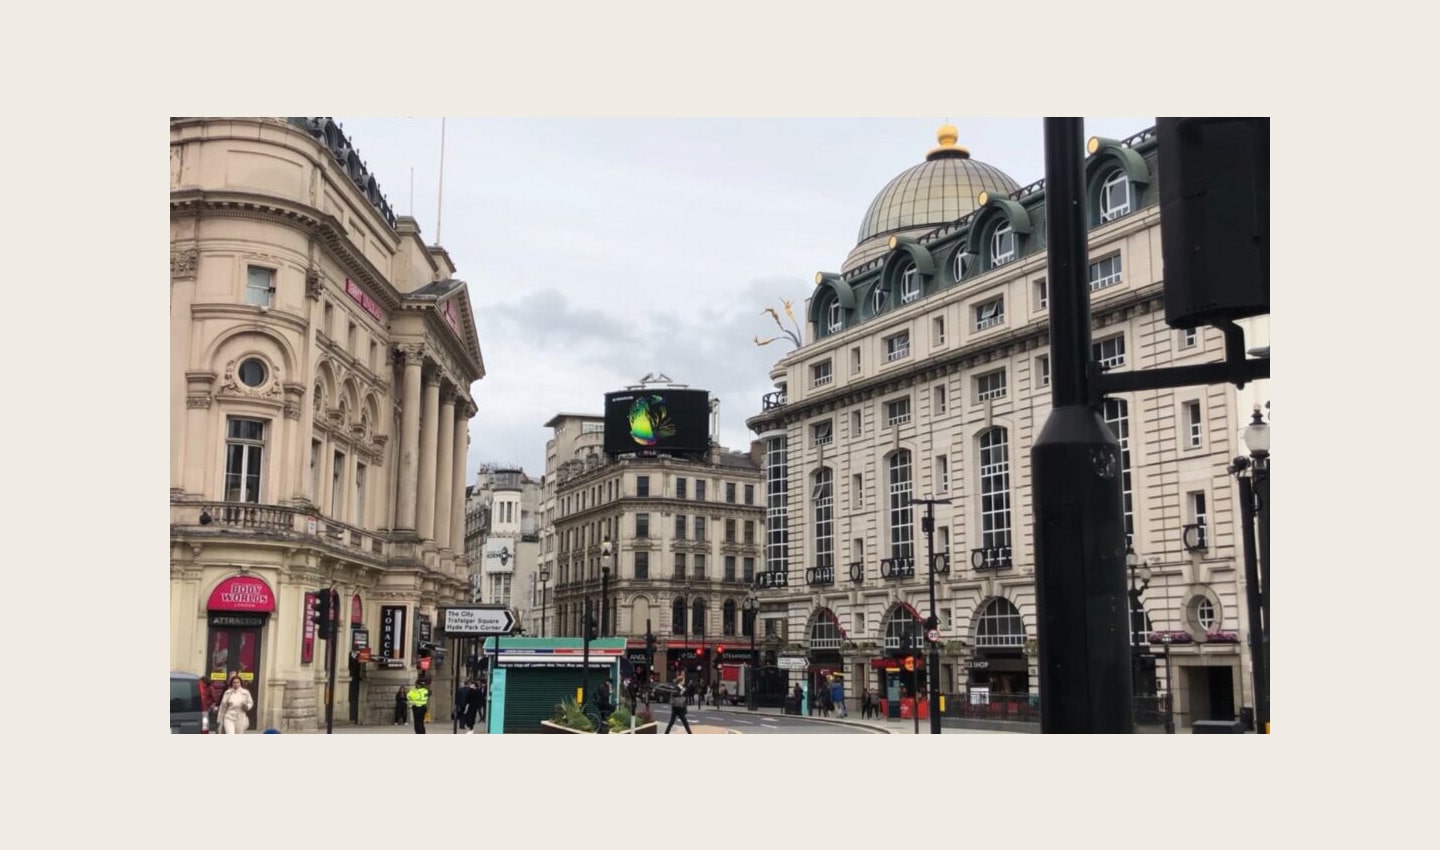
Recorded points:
(599,250)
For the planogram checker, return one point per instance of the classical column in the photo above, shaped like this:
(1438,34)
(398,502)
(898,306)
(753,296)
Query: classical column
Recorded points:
(428,426)
(443,478)
(409,437)
(463,412)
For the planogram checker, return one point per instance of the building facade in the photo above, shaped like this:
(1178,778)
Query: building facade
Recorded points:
(681,541)
(924,374)
(506,571)
(321,363)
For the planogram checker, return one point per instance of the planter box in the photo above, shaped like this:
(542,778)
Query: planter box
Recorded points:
(552,728)
(643,729)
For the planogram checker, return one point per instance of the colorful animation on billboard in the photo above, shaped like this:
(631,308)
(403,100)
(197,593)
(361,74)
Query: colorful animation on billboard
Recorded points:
(649,420)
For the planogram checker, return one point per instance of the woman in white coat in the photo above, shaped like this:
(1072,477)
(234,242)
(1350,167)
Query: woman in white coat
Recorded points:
(233,707)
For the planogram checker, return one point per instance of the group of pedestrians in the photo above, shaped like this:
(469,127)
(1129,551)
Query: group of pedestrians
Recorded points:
(413,704)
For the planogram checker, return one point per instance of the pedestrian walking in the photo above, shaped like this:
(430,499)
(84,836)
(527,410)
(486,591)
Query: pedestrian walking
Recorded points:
(418,699)
(402,710)
(837,696)
(678,709)
(604,705)
(689,691)
(865,703)
(470,706)
(483,687)
(234,708)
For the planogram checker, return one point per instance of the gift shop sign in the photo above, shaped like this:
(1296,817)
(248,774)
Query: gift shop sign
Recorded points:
(242,593)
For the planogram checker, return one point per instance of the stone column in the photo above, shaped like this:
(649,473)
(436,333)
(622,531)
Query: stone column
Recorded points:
(463,412)
(429,414)
(443,479)
(409,437)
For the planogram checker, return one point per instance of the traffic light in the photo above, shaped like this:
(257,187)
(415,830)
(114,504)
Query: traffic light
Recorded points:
(719,655)
(592,630)
(323,614)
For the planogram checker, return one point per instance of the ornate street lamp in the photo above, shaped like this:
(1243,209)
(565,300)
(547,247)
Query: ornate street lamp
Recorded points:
(1252,475)
(544,586)
(752,607)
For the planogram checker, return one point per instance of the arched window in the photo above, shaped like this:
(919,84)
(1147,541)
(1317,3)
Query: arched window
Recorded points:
(901,624)
(677,617)
(879,297)
(834,322)
(994,489)
(909,284)
(1002,244)
(1115,196)
(824,633)
(999,624)
(964,263)
(822,504)
(727,618)
(902,533)
(1140,627)
(697,617)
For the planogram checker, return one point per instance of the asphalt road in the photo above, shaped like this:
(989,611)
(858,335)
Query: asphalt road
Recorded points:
(757,724)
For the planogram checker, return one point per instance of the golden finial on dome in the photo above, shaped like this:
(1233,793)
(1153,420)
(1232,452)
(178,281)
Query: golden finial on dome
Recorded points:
(947,136)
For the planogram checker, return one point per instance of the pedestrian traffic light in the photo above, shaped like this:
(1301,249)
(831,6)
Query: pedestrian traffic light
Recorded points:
(591,627)
(323,614)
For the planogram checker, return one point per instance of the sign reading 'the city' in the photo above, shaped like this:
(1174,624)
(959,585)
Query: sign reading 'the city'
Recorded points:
(478,621)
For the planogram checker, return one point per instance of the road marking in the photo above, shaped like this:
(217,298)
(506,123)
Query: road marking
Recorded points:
(769,726)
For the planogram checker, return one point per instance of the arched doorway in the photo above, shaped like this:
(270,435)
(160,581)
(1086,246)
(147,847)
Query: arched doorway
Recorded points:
(901,667)
(999,671)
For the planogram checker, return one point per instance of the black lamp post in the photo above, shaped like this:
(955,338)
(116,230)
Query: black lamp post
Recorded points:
(1252,474)
(752,606)
(932,623)
(1169,687)
(544,586)
(1137,568)
(605,586)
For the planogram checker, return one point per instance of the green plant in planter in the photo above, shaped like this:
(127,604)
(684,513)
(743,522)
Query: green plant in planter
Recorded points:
(619,718)
(568,713)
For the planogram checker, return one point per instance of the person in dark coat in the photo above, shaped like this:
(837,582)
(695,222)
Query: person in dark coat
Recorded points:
(471,706)
(402,708)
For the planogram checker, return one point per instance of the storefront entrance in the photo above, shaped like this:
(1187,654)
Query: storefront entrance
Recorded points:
(238,611)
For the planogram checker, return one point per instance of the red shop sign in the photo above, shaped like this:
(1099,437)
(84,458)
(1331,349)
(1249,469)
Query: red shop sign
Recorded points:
(356,611)
(242,593)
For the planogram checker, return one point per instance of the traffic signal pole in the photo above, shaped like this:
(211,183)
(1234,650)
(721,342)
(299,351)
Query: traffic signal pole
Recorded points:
(331,629)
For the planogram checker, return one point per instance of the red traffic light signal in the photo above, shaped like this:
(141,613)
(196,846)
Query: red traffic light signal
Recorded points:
(700,652)
(720,649)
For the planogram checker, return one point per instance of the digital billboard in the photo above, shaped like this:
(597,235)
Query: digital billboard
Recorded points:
(662,421)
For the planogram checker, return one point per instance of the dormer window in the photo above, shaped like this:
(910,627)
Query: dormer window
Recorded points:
(909,284)
(833,322)
(1114,196)
(1002,245)
(964,262)
(878,297)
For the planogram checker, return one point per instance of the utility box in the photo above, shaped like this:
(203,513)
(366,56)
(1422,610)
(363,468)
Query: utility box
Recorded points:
(1214,176)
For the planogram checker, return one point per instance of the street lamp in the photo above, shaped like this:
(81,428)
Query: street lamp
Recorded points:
(544,586)
(932,623)
(1137,568)
(752,606)
(1169,687)
(1252,474)
(605,586)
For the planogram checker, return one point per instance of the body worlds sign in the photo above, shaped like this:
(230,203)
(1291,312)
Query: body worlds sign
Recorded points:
(242,593)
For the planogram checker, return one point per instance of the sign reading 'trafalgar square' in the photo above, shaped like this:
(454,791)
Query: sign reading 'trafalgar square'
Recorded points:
(477,621)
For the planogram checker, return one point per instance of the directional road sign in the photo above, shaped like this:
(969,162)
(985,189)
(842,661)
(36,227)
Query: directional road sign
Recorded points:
(478,621)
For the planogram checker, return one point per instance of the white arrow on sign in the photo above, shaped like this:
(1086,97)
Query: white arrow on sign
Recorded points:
(478,621)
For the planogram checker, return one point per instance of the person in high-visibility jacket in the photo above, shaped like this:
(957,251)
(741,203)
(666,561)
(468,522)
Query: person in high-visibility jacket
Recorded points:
(418,697)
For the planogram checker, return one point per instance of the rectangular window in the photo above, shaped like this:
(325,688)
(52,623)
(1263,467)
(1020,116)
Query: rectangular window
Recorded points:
(990,385)
(679,564)
(1105,273)
(748,565)
(901,519)
(374,361)
(897,346)
(995,490)
(316,450)
(327,328)
(1196,501)
(822,504)
(680,527)
(679,488)
(244,456)
(730,492)
(1193,423)
(750,531)
(938,399)
(821,433)
(699,489)
(729,568)
(337,493)
(699,565)
(857,426)
(642,485)
(730,531)
(749,494)
(642,525)
(1189,337)
(1042,370)
(350,337)
(855,360)
(858,621)
(1042,294)
(897,412)
(1109,352)
(937,331)
(820,374)
(259,286)
(359,507)
(777,505)
(990,314)
(699,528)
(942,474)
(857,491)
(1116,413)
(642,565)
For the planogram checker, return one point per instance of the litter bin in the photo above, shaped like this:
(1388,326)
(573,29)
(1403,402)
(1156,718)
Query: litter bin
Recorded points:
(1247,716)
(792,705)
(1217,727)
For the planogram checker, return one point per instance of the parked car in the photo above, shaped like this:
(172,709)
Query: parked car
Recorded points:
(663,691)
(187,705)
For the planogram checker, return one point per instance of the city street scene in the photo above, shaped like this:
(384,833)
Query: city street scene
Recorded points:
(719,426)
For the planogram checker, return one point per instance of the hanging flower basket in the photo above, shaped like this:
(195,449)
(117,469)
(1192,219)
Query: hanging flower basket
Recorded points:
(1222,637)
(1175,637)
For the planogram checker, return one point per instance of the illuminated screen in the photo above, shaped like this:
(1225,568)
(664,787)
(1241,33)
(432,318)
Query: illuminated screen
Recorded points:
(662,421)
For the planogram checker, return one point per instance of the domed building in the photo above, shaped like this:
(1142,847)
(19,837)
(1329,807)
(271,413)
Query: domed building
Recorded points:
(920,198)
(925,374)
